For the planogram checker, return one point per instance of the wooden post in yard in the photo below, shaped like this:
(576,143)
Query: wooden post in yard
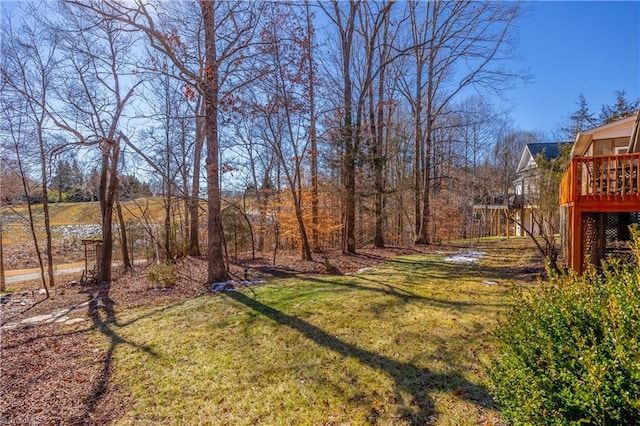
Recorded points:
(575,239)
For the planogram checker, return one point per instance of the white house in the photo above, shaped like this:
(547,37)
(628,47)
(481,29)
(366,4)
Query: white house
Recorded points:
(525,186)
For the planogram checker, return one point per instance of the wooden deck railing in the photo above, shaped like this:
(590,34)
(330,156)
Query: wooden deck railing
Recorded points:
(601,178)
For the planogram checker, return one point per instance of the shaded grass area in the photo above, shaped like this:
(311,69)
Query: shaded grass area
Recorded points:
(407,343)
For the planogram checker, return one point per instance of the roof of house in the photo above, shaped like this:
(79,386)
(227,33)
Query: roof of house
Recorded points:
(531,151)
(617,129)
(549,150)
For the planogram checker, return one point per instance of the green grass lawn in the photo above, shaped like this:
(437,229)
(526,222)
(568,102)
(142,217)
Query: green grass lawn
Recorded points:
(407,343)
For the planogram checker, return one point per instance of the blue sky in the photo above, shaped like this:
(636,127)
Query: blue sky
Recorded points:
(575,47)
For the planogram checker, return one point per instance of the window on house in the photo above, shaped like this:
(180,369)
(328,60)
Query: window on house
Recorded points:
(618,150)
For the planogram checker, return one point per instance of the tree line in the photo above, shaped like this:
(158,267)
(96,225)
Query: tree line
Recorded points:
(68,182)
(307,125)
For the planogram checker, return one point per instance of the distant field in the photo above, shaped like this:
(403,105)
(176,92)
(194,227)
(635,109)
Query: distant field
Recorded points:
(61,215)
(82,213)
(70,223)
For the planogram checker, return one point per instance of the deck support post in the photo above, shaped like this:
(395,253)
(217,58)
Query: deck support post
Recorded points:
(575,243)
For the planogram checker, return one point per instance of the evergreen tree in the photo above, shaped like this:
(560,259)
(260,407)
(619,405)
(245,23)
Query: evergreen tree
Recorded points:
(61,181)
(580,120)
(131,187)
(68,181)
(620,109)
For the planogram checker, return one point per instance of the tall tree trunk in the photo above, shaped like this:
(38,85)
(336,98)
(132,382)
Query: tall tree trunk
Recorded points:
(168,176)
(315,238)
(295,186)
(417,170)
(379,158)
(261,211)
(276,224)
(375,139)
(348,136)
(168,249)
(126,260)
(306,247)
(416,101)
(349,186)
(108,188)
(184,222)
(216,270)
(47,230)
(424,234)
(263,192)
(194,238)
(262,196)
(378,182)
(45,205)
(32,227)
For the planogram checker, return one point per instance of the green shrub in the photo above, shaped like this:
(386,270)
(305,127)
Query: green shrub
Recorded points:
(569,354)
(163,274)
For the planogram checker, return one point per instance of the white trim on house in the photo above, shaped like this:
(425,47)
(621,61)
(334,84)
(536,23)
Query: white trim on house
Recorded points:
(618,129)
(527,161)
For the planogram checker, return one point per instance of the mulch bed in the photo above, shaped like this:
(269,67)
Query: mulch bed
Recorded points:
(53,374)
(48,375)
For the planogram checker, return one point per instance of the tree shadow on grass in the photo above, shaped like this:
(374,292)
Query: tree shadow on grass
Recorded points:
(420,383)
(402,295)
(443,270)
(103,315)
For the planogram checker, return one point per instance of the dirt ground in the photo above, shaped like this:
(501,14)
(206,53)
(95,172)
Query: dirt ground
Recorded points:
(52,374)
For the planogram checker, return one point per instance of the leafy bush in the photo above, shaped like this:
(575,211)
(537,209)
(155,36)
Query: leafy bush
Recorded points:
(163,274)
(570,354)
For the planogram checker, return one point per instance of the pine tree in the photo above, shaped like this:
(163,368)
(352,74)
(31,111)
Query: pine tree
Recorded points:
(620,109)
(580,120)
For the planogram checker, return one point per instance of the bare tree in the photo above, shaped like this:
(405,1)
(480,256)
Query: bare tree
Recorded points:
(95,90)
(17,132)
(259,160)
(413,88)
(167,145)
(211,90)
(508,149)
(313,133)
(31,59)
(544,204)
(284,110)
(470,38)
(194,201)
(229,29)
(214,58)
(370,123)
(124,246)
(345,22)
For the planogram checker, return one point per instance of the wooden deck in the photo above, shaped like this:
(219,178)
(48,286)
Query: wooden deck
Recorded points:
(607,183)
(596,185)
